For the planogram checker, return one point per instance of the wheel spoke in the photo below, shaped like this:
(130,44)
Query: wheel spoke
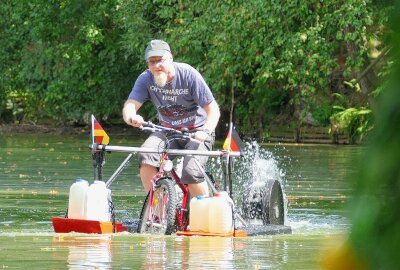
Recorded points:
(161,217)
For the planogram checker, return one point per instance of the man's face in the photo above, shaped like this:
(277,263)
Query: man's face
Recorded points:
(159,67)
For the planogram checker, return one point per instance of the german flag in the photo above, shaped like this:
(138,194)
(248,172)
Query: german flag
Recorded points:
(233,141)
(99,135)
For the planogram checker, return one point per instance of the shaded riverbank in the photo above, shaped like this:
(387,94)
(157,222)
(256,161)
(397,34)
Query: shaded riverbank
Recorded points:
(284,134)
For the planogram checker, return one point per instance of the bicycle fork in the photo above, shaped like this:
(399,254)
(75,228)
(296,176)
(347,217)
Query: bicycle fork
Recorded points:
(181,215)
(153,200)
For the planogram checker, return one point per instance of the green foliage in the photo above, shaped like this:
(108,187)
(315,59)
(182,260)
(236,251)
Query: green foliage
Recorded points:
(67,56)
(384,76)
(77,57)
(355,122)
(375,234)
(322,113)
(259,47)
(15,106)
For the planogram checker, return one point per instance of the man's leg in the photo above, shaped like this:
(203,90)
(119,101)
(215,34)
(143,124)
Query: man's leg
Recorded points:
(200,189)
(146,174)
(191,174)
(149,162)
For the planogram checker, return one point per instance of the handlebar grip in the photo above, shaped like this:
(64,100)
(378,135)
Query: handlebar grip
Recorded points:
(153,127)
(146,124)
(192,136)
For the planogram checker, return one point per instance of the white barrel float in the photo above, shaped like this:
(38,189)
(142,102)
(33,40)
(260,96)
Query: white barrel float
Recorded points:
(199,213)
(220,213)
(98,202)
(77,199)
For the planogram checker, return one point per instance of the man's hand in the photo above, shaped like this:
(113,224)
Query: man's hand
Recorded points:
(202,135)
(134,120)
(129,114)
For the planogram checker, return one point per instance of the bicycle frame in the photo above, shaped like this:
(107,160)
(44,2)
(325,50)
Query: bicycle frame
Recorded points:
(181,222)
(98,151)
(180,215)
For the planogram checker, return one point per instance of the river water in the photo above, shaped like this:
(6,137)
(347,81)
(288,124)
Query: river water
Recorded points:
(37,171)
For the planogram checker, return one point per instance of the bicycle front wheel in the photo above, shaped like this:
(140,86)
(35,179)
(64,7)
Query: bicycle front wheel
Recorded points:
(158,216)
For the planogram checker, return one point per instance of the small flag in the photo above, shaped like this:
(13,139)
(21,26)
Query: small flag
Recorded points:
(233,143)
(99,135)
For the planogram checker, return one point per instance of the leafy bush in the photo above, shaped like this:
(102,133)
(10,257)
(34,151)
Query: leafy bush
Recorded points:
(322,113)
(355,122)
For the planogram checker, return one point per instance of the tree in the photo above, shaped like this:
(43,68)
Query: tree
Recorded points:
(66,59)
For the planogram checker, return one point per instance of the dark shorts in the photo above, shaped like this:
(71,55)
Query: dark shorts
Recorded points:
(191,174)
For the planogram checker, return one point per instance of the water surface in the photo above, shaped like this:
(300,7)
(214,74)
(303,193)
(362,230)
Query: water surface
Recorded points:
(36,172)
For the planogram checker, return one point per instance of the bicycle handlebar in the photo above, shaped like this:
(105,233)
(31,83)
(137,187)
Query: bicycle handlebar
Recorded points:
(153,127)
(184,132)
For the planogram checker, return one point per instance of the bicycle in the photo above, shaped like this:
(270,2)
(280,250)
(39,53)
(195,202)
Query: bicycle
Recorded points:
(165,214)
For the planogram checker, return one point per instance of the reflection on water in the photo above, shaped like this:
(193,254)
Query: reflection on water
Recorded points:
(36,172)
(215,252)
(132,251)
(93,252)
(155,253)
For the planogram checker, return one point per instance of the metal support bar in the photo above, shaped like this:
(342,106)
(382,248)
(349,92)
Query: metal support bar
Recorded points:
(129,149)
(240,218)
(98,163)
(119,170)
(230,176)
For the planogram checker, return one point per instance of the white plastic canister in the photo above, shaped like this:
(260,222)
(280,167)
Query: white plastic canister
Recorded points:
(98,202)
(77,199)
(198,216)
(220,214)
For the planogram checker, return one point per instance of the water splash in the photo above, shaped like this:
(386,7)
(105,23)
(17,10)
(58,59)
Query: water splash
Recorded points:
(255,168)
(257,165)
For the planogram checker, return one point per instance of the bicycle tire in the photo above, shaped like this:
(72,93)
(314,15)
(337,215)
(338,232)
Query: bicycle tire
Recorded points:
(162,220)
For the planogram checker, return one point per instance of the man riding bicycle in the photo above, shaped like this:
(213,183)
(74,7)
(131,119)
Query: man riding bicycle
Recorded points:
(183,100)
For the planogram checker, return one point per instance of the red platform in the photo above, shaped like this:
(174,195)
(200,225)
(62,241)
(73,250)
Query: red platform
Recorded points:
(67,225)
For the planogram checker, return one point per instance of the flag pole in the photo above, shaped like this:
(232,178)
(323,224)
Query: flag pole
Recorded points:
(98,156)
(228,178)
(92,129)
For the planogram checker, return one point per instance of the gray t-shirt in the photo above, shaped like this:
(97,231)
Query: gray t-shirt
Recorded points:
(179,103)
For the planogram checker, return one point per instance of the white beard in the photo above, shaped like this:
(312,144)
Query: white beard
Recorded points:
(161,79)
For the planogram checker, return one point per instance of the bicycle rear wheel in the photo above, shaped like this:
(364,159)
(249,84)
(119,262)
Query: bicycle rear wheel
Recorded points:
(273,204)
(265,202)
(158,216)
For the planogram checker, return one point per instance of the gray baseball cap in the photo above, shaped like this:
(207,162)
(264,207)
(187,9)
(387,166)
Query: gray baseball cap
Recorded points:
(156,47)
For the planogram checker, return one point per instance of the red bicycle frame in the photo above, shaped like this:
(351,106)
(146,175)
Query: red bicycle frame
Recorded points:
(181,218)
(181,213)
